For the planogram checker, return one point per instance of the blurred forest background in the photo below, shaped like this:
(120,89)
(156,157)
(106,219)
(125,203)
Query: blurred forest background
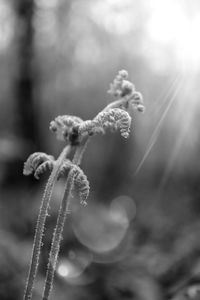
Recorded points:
(139,237)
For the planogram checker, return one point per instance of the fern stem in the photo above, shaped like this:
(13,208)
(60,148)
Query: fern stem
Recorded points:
(63,211)
(43,212)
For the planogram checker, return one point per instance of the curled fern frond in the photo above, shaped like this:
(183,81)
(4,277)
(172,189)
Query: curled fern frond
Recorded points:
(112,119)
(45,166)
(116,88)
(82,184)
(121,87)
(35,161)
(90,127)
(137,101)
(80,179)
(125,92)
(64,126)
(66,166)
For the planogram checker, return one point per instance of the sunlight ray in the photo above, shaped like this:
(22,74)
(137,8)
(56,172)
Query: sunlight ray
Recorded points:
(184,131)
(171,90)
(163,99)
(171,161)
(158,127)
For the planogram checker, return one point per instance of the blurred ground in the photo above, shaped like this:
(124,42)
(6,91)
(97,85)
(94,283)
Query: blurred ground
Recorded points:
(139,236)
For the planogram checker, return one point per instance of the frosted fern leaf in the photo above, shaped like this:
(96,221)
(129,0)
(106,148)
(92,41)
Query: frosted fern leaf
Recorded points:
(82,184)
(63,125)
(136,100)
(80,179)
(112,119)
(125,91)
(66,166)
(45,166)
(116,88)
(38,163)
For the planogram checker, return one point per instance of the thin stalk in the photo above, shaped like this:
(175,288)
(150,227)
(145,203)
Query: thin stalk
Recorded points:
(115,104)
(43,212)
(57,236)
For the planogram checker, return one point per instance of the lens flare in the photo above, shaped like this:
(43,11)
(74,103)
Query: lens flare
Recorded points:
(99,228)
(72,267)
(124,205)
(63,270)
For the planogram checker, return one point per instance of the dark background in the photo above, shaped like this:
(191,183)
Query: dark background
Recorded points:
(139,236)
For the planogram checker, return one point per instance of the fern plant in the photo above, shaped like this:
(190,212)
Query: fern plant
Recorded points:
(75,133)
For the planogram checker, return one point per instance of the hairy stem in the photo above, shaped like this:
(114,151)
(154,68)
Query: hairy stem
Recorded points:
(57,236)
(41,223)
(115,104)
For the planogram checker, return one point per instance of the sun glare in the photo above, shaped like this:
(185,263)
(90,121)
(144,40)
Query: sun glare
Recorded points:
(170,24)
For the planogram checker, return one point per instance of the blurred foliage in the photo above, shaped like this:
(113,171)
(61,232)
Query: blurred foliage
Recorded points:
(75,50)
